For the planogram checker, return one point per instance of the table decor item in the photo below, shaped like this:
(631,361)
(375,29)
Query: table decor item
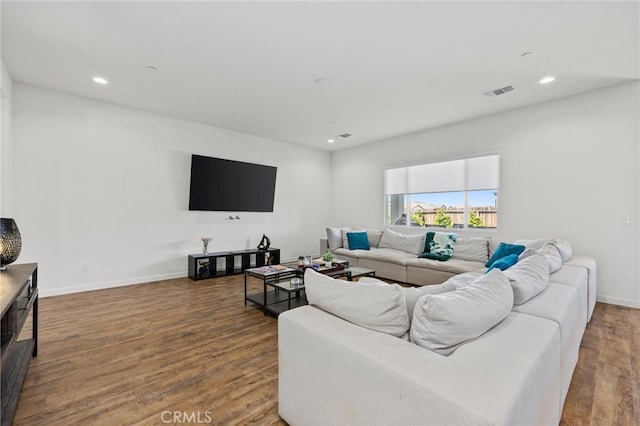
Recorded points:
(10,242)
(205,245)
(328,258)
(265,243)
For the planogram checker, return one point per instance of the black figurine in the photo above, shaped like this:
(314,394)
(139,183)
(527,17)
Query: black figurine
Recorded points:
(265,243)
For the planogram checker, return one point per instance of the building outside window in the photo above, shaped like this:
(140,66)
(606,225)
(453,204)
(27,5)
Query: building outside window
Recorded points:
(461,194)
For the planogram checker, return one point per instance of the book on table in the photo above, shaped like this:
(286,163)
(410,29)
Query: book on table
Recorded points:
(271,269)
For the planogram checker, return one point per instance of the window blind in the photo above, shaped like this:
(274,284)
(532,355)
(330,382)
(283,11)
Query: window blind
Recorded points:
(469,174)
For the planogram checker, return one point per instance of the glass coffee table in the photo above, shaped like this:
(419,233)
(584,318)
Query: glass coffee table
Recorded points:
(280,294)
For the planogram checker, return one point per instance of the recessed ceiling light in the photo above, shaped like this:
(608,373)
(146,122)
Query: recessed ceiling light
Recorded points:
(100,80)
(320,81)
(151,68)
(331,140)
(548,79)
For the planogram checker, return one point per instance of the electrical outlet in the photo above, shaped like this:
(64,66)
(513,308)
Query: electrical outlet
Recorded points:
(626,220)
(85,267)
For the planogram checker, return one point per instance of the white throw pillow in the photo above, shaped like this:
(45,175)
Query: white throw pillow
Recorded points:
(474,249)
(442,322)
(528,277)
(374,305)
(413,244)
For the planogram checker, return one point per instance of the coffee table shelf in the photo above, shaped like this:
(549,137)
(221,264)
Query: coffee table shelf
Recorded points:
(282,297)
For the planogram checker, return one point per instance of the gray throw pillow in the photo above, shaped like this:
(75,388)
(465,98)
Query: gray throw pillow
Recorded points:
(334,238)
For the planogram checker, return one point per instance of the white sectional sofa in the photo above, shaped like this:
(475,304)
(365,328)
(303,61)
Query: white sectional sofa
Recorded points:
(338,371)
(396,258)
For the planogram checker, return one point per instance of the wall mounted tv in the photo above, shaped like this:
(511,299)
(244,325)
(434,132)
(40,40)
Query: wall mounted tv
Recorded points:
(231,186)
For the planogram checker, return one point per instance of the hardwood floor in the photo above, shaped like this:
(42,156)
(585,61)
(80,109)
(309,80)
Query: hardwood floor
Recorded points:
(605,389)
(178,352)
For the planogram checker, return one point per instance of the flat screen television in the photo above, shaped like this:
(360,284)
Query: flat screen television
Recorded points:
(231,186)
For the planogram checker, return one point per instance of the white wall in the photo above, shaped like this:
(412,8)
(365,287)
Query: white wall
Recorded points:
(107,186)
(6,96)
(569,169)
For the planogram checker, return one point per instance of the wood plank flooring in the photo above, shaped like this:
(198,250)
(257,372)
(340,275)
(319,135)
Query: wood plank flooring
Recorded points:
(184,352)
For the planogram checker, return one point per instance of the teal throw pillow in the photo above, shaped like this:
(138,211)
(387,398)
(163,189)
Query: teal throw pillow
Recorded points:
(439,246)
(505,249)
(358,241)
(504,262)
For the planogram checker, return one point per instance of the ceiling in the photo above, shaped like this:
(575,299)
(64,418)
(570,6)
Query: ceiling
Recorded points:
(304,72)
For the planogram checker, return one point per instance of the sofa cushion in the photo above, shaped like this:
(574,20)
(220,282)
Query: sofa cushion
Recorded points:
(551,253)
(464,279)
(528,278)
(408,243)
(386,255)
(376,306)
(344,232)
(442,322)
(439,245)
(412,294)
(358,240)
(563,246)
(453,266)
(505,249)
(473,249)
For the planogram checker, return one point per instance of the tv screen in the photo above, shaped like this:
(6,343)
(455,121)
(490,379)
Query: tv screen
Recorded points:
(231,186)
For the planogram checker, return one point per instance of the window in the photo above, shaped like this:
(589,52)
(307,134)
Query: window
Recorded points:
(459,194)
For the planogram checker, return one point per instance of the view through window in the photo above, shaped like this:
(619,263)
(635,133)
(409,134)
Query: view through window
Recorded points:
(453,194)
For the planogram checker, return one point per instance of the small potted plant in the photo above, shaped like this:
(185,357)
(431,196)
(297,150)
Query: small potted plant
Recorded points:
(328,257)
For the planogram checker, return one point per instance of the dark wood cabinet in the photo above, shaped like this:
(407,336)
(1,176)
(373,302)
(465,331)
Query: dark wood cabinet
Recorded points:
(19,300)
(211,265)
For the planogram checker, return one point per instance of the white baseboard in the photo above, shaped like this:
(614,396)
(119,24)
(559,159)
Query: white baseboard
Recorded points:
(618,301)
(110,284)
(121,283)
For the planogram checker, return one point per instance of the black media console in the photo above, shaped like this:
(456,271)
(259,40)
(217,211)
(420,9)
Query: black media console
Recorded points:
(211,265)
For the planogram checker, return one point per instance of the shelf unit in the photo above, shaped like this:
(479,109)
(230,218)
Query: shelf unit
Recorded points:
(18,298)
(211,265)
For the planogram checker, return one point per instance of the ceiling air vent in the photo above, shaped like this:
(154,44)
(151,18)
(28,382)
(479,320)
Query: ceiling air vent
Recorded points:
(345,135)
(500,91)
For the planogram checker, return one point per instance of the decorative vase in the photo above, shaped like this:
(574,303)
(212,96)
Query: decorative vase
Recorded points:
(205,247)
(328,263)
(10,242)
